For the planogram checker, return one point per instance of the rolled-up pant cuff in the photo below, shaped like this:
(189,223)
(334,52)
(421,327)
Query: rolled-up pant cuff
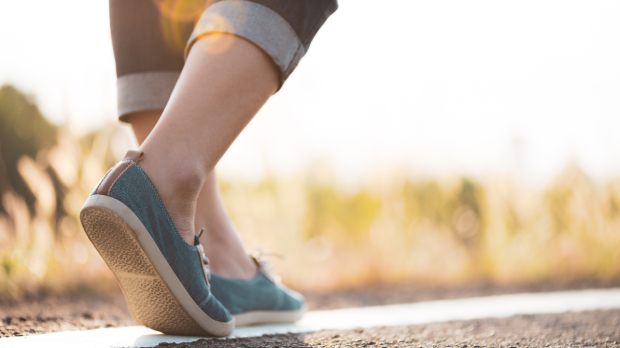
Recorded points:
(256,23)
(144,91)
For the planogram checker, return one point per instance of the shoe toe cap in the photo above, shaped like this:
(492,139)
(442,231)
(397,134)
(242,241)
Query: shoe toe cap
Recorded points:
(214,309)
(291,300)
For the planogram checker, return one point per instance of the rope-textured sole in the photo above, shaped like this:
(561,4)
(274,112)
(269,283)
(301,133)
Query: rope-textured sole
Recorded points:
(155,295)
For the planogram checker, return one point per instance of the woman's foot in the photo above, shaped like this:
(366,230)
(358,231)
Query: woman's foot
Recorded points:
(220,240)
(164,278)
(222,244)
(260,300)
(245,286)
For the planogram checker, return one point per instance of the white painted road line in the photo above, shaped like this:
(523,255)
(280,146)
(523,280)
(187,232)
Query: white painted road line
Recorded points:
(406,314)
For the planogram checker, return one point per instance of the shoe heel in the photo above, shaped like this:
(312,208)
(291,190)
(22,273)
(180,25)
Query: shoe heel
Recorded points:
(150,300)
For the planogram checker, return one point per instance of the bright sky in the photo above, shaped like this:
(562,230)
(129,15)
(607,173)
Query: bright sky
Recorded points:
(474,87)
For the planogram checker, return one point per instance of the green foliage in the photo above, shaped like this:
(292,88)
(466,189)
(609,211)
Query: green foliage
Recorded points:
(388,230)
(329,210)
(427,200)
(23,131)
(459,209)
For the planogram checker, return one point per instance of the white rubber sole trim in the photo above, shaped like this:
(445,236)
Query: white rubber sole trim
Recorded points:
(155,295)
(268,317)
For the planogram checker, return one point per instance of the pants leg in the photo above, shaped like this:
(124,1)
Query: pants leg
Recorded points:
(151,37)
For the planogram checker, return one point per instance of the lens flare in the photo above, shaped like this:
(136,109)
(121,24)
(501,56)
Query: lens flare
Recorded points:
(178,17)
(219,31)
(181,10)
(176,20)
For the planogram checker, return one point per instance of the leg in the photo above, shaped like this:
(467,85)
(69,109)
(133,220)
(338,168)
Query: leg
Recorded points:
(222,244)
(215,98)
(220,89)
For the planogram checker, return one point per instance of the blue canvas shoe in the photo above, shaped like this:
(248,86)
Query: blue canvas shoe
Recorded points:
(261,300)
(165,280)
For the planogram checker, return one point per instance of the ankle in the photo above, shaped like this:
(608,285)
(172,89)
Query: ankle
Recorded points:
(230,266)
(175,176)
(228,257)
(178,184)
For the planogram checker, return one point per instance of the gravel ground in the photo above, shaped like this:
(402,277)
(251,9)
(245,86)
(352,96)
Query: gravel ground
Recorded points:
(584,329)
(84,312)
(52,314)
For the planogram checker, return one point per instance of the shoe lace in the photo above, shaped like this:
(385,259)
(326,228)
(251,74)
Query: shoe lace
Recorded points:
(203,258)
(259,255)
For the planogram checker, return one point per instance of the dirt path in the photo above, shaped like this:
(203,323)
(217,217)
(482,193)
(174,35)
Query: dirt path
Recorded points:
(585,329)
(52,314)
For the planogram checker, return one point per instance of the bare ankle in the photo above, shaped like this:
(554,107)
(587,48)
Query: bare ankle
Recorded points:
(174,176)
(228,257)
(178,185)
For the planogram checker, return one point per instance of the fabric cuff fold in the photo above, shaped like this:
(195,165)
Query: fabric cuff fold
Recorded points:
(144,91)
(256,23)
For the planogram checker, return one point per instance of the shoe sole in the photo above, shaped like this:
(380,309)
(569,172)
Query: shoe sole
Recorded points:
(155,295)
(268,317)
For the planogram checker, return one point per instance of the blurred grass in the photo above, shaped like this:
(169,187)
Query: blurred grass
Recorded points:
(390,229)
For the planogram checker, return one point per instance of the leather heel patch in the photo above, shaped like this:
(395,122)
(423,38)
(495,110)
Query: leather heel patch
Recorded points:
(131,158)
(133,155)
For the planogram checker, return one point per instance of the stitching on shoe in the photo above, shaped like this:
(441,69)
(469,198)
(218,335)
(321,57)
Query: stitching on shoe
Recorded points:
(205,301)
(121,174)
(100,181)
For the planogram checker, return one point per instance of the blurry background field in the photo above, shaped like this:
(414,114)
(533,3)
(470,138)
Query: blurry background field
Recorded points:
(440,143)
(391,228)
